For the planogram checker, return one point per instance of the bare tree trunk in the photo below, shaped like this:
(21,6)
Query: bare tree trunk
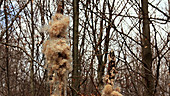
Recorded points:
(7,50)
(76,64)
(100,57)
(106,44)
(169,37)
(32,52)
(169,82)
(169,6)
(146,52)
(1,3)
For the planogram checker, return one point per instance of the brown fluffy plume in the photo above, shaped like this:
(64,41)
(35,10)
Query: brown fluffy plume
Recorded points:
(109,78)
(57,53)
(107,90)
(116,93)
(58,26)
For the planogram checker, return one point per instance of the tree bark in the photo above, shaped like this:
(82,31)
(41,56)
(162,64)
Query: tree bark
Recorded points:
(7,50)
(169,6)
(32,52)
(101,64)
(76,65)
(146,52)
(169,37)
(1,3)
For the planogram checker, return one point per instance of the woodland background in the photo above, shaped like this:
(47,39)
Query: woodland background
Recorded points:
(137,31)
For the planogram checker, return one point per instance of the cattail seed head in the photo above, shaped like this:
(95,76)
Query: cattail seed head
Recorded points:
(57,52)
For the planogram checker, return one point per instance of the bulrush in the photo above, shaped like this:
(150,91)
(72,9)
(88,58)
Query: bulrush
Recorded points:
(109,78)
(57,53)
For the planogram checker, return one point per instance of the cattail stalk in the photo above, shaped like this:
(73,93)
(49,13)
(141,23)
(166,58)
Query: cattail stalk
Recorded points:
(110,78)
(58,54)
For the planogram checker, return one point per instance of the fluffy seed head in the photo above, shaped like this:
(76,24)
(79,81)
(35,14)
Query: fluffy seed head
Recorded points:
(107,89)
(115,93)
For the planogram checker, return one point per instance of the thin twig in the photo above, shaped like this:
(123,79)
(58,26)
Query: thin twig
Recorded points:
(16,16)
(23,51)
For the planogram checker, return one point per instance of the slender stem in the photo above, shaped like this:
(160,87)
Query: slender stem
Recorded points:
(7,49)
